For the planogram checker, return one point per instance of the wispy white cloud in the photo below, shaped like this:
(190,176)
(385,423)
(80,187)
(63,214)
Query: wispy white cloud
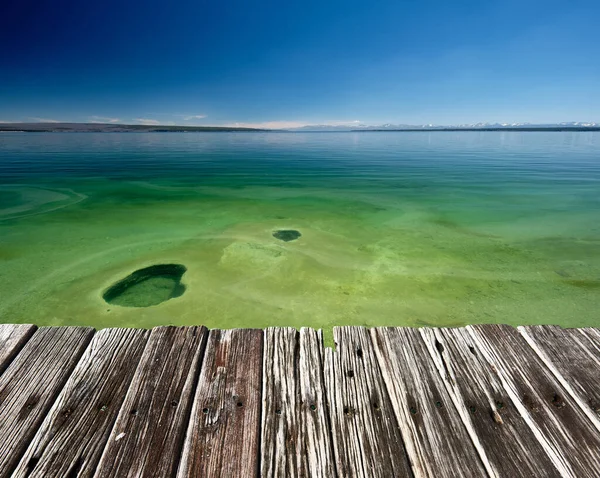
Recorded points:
(147,121)
(7,121)
(293,124)
(45,120)
(341,123)
(183,116)
(103,119)
(192,117)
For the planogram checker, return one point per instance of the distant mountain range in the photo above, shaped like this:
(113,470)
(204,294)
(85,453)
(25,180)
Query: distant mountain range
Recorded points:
(573,125)
(110,127)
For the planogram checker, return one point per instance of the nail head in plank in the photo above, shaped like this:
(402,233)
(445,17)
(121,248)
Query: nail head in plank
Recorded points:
(366,438)
(71,439)
(223,436)
(509,447)
(30,385)
(436,439)
(147,438)
(12,339)
(567,435)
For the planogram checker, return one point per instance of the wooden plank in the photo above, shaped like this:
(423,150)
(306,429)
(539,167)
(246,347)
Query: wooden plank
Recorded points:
(280,425)
(436,439)
(366,438)
(71,439)
(573,355)
(295,432)
(224,431)
(560,425)
(30,385)
(12,339)
(317,454)
(506,444)
(147,438)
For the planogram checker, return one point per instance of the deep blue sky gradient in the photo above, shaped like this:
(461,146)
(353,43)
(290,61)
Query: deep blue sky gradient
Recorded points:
(322,61)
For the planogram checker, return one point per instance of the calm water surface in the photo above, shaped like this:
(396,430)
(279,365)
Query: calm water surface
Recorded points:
(439,229)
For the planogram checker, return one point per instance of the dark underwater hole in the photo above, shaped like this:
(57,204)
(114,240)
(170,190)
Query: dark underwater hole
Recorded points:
(287,235)
(147,287)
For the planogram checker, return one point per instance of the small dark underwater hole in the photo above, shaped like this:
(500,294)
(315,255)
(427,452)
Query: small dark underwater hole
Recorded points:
(287,235)
(147,287)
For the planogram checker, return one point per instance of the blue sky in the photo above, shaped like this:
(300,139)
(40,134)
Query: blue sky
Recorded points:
(277,63)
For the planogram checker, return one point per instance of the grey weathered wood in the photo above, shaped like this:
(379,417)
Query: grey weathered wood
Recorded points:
(295,431)
(573,355)
(436,439)
(365,434)
(521,405)
(12,339)
(557,421)
(71,439)
(30,385)
(593,334)
(223,435)
(280,426)
(506,444)
(317,453)
(147,438)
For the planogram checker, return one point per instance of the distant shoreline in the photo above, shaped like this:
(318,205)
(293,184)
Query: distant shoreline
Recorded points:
(113,128)
(122,128)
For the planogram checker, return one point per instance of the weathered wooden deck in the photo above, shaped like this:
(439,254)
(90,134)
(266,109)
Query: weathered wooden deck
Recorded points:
(389,402)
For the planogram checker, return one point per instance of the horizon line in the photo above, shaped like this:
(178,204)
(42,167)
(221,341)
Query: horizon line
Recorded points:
(356,127)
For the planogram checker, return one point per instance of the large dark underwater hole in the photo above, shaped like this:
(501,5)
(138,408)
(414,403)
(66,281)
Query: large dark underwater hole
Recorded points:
(148,286)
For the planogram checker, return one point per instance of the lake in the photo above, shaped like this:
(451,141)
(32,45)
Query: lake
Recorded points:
(414,229)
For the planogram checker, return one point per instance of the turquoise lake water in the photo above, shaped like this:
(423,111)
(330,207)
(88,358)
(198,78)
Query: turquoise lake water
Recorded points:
(440,228)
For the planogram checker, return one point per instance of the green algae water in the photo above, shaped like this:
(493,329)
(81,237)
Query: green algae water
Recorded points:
(405,229)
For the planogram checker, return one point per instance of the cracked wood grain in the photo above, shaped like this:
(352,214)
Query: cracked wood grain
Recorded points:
(436,439)
(71,439)
(573,356)
(506,444)
(366,438)
(295,430)
(560,425)
(147,438)
(12,339)
(223,435)
(30,385)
